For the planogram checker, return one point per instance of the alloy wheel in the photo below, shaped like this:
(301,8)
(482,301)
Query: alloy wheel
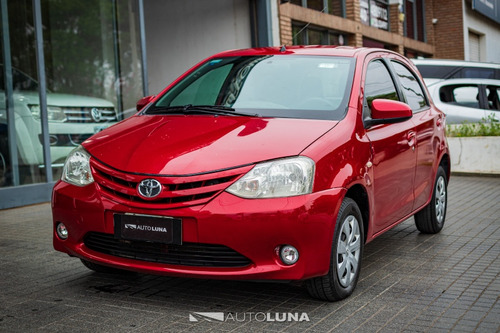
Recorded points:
(348,251)
(440,199)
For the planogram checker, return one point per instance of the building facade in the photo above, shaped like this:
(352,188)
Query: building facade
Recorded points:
(71,68)
(451,29)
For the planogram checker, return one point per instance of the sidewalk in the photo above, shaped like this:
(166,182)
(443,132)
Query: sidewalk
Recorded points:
(409,282)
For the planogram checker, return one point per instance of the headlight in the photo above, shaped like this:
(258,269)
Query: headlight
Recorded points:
(54,113)
(77,168)
(280,178)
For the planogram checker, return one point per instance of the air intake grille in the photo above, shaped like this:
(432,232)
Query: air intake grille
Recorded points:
(84,114)
(188,254)
(177,191)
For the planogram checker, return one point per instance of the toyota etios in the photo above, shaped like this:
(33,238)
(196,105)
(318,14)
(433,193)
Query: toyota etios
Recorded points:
(260,164)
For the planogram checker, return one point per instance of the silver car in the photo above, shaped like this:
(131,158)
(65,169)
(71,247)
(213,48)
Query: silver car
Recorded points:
(72,119)
(470,100)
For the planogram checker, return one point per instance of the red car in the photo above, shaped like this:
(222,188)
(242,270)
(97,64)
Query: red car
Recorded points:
(260,164)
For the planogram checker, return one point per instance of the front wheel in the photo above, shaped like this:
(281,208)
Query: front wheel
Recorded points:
(430,220)
(345,262)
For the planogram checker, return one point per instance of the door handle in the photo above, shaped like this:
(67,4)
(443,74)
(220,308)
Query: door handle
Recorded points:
(411,139)
(439,122)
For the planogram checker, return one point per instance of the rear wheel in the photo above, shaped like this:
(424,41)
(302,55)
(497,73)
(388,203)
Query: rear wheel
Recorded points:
(345,262)
(430,220)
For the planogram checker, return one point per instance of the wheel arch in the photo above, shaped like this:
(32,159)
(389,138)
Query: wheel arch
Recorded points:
(446,164)
(359,194)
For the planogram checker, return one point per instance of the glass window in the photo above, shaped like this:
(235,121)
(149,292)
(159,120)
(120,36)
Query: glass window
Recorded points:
(204,90)
(412,90)
(493,93)
(378,84)
(375,13)
(271,86)
(436,72)
(93,77)
(336,7)
(21,152)
(414,19)
(306,35)
(316,37)
(463,95)
(475,72)
(333,7)
(317,5)
(457,72)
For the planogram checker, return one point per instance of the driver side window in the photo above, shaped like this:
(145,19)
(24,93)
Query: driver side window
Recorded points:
(378,84)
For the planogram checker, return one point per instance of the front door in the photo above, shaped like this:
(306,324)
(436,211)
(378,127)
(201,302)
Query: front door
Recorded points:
(393,149)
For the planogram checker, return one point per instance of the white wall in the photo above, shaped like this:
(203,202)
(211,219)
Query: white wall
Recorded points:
(489,31)
(180,33)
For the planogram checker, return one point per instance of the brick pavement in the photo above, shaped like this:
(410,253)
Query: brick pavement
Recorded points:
(409,282)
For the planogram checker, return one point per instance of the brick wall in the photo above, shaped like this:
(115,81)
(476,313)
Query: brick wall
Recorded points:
(447,33)
(352,27)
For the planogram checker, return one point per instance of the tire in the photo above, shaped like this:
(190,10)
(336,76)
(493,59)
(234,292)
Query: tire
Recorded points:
(100,268)
(346,254)
(430,220)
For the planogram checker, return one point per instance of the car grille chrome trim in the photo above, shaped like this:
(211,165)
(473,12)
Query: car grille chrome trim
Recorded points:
(187,254)
(84,114)
(178,191)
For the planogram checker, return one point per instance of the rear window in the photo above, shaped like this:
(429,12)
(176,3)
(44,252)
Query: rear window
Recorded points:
(457,72)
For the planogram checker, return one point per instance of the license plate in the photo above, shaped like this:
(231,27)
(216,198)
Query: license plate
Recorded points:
(158,229)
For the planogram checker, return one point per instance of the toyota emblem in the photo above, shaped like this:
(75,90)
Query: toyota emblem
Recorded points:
(96,114)
(149,188)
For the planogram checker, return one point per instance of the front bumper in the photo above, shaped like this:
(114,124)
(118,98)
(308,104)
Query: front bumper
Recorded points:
(252,228)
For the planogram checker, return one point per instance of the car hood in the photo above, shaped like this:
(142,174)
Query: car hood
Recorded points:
(193,144)
(67,100)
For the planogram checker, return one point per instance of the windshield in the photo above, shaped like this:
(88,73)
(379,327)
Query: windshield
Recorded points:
(314,87)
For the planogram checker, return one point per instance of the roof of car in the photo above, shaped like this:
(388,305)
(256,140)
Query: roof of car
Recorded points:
(326,50)
(463,82)
(448,62)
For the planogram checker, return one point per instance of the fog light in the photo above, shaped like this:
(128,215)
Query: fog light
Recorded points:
(289,255)
(61,230)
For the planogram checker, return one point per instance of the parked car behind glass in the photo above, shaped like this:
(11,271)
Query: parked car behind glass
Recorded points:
(471,100)
(260,164)
(72,119)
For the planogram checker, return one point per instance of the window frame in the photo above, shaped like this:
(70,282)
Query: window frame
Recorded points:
(417,78)
(384,62)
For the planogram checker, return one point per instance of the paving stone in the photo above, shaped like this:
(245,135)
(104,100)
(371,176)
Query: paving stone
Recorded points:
(410,282)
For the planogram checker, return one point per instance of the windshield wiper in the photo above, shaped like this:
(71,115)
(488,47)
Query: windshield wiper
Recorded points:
(205,109)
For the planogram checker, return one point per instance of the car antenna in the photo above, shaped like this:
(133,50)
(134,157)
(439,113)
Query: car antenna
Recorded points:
(283,48)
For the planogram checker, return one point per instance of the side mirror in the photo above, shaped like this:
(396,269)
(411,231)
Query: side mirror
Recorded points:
(143,102)
(386,111)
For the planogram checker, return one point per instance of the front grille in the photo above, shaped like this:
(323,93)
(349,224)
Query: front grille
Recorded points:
(84,114)
(187,254)
(177,191)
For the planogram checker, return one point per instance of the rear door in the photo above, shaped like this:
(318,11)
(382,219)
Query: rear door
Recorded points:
(493,101)
(461,102)
(425,120)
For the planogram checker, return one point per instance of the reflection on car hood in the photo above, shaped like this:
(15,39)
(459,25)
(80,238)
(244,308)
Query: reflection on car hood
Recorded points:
(55,99)
(183,145)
